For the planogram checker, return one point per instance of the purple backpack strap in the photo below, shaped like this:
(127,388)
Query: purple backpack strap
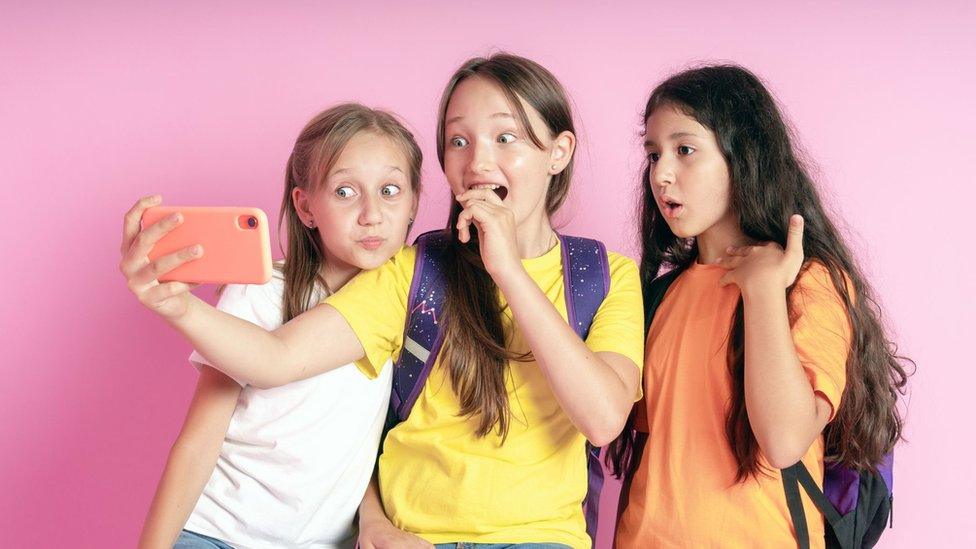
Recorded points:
(586,282)
(422,336)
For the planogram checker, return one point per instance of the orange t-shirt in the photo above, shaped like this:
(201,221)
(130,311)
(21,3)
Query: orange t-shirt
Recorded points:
(684,492)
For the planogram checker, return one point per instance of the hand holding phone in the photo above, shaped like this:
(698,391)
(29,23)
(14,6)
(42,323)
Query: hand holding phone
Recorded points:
(154,273)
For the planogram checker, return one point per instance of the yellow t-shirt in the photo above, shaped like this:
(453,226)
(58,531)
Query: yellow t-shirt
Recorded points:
(684,492)
(437,478)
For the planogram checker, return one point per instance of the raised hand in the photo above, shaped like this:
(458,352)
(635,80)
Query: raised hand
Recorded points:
(496,230)
(766,266)
(168,299)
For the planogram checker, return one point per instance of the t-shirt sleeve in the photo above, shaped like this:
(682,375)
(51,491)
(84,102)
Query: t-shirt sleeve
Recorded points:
(821,333)
(618,326)
(374,303)
(258,304)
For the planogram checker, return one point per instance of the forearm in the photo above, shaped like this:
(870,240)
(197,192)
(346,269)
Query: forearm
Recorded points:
(371,509)
(235,346)
(593,394)
(186,473)
(780,401)
(266,359)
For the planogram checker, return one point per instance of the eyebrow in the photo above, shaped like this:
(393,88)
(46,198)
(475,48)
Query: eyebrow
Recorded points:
(673,136)
(453,119)
(346,170)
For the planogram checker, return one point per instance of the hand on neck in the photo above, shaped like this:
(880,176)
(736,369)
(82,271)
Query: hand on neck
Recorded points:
(716,239)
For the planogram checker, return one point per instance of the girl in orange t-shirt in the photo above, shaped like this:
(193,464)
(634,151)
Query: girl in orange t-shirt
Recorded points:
(765,280)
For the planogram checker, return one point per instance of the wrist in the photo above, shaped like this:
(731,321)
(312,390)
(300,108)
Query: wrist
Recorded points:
(762,292)
(511,278)
(184,320)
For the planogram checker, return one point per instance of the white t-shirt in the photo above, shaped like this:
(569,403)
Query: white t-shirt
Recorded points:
(296,459)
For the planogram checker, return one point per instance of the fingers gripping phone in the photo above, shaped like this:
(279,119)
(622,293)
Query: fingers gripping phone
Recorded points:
(236,244)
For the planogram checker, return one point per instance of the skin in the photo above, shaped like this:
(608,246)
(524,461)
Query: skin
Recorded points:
(688,167)
(367,193)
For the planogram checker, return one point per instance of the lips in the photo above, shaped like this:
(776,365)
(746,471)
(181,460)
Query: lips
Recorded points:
(500,190)
(671,207)
(371,243)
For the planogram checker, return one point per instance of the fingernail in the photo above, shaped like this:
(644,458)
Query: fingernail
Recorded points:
(177,218)
(197,250)
(155,198)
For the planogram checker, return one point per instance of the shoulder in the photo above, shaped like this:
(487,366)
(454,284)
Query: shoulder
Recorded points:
(620,261)
(816,295)
(816,280)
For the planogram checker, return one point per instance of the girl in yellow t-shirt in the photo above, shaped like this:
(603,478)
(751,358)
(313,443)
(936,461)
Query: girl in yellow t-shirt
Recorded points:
(494,450)
(767,348)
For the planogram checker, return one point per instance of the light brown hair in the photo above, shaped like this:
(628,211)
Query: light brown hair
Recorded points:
(316,150)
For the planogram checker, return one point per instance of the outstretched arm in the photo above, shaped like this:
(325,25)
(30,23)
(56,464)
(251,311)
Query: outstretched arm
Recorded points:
(314,342)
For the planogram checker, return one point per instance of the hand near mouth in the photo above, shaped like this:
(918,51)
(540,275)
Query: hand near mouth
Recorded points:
(496,230)
(765,267)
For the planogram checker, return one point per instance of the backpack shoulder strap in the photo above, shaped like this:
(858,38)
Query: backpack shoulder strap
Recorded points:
(586,280)
(422,334)
(586,283)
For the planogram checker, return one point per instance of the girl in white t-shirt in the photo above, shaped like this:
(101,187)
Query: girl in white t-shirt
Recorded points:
(288,466)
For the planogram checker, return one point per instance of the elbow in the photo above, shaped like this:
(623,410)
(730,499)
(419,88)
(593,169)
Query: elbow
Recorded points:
(783,451)
(601,433)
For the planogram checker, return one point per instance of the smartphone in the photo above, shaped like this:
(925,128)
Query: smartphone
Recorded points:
(236,244)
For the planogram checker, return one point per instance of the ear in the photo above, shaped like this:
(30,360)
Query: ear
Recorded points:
(562,151)
(415,206)
(300,199)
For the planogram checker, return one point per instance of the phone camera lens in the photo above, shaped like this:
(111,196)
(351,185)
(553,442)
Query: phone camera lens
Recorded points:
(252,222)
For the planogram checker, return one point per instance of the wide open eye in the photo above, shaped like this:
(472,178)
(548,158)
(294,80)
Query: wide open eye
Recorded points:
(345,192)
(506,138)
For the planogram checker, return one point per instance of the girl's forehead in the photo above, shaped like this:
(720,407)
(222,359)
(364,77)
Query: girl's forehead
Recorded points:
(668,120)
(480,97)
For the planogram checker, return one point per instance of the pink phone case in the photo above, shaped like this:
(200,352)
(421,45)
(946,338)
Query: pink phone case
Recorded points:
(236,244)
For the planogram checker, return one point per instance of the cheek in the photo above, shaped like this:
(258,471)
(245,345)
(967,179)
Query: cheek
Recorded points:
(334,223)
(454,170)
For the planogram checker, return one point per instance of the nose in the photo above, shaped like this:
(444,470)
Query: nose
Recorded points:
(370,213)
(482,158)
(662,172)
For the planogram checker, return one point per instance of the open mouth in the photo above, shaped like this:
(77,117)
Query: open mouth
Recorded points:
(671,208)
(499,190)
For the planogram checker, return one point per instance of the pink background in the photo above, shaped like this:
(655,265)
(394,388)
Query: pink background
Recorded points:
(103,103)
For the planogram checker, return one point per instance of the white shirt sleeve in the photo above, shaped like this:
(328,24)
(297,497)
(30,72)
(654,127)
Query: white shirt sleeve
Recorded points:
(256,303)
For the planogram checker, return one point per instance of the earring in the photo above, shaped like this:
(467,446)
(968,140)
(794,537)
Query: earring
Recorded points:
(311,224)
(554,166)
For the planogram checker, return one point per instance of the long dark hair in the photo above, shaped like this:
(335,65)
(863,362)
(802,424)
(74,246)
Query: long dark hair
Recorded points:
(475,341)
(769,183)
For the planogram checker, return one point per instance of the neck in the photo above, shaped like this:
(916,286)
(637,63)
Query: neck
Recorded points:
(336,273)
(716,239)
(535,238)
